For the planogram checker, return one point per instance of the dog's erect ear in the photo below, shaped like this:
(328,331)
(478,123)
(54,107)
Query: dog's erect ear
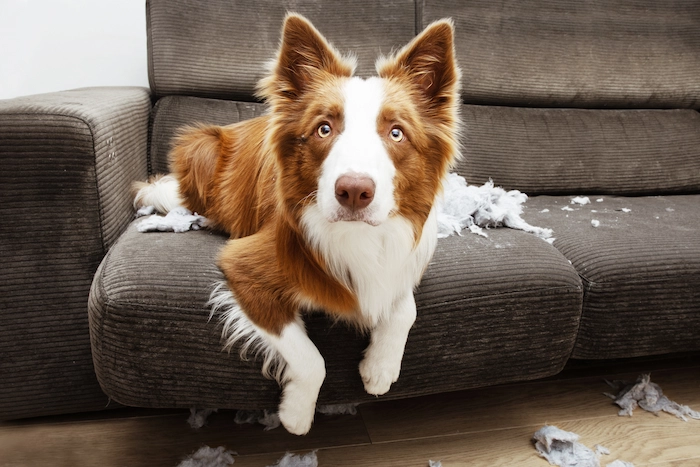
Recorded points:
(429,62)
(304,57)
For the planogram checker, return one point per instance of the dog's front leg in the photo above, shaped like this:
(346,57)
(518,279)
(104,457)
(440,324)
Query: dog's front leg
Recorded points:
(303,376)
(382,363)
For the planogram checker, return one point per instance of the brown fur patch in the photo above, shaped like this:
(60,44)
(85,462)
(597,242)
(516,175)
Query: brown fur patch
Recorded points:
(422,88)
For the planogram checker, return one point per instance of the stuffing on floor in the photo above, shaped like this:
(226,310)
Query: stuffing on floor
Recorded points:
(209,457)
(649,396)
(295,460)
(198,417)
(269,419)
(221,457)
(562,448)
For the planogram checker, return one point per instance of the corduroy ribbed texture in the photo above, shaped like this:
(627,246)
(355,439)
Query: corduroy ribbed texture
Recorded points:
(640,271)
(552,53)
(490,311)
(220,48)
(173,112)
(558,151)
(66,161)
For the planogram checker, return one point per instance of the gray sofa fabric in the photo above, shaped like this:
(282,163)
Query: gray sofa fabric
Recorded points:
(612,54)
(66,162)
(561,151)
(640,270)
(220,48)
(490,311)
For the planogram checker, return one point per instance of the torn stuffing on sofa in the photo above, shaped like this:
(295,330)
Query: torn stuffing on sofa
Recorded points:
(649,396)
(477,207)
(178,220)
(461,207)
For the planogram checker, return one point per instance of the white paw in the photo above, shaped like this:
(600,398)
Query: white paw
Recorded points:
(378,375)
(296,414)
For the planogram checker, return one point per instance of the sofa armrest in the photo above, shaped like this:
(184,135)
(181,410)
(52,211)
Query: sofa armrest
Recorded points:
(79,149)
(67,160)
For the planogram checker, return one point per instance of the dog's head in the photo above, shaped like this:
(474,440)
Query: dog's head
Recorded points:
(362,150)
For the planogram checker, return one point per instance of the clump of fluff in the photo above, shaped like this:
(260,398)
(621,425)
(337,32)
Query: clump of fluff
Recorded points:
(477,207)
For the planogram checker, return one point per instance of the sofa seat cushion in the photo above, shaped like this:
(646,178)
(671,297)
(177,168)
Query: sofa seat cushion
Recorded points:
(640,269)
(490,310)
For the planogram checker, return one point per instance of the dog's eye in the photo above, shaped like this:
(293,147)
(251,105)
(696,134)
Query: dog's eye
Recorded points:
(396,134)
(324,130)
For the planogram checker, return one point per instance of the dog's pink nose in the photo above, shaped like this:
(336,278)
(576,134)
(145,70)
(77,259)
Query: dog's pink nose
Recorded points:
(354,191)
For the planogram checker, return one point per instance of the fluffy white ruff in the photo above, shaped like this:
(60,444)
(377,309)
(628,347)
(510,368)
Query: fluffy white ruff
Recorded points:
(467,206)
(237,329)
(380,263)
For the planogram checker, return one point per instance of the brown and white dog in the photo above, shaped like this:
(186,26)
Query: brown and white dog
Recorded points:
(329,200)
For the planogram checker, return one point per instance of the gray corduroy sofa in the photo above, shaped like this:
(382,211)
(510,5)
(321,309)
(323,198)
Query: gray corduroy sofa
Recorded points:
(561,99)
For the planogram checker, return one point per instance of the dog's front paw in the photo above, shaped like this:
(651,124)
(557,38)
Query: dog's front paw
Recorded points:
(378,375)
(296,415)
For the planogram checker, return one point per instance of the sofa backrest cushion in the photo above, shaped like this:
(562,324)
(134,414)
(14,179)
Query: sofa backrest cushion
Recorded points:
(220,48)
(573,53)
(585,151)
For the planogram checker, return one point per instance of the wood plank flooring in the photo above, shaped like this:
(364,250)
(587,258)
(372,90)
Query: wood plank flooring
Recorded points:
(483,427)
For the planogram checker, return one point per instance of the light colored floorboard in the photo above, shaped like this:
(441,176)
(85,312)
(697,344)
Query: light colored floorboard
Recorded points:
(158,440)
(527,404)
(645,440)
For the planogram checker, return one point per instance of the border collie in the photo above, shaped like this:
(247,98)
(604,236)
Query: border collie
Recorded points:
(329,200)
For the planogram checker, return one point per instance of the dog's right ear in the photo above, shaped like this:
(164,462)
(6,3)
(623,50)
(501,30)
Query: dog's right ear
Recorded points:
(304,57)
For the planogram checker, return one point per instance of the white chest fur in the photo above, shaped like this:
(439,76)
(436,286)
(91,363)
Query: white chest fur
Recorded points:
(381,264)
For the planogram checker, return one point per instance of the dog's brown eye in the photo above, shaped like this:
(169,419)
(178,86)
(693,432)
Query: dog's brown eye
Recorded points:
(396,134)
(324,130)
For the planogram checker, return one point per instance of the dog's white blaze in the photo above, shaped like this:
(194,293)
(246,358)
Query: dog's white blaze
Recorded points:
(359,149)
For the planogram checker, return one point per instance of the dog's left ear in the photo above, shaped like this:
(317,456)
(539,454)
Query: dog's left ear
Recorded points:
(429,62)
(304,57)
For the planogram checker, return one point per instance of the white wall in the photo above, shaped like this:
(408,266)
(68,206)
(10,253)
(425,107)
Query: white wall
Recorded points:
(53,45)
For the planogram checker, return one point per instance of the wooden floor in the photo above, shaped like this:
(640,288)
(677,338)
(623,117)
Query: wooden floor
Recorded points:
(485,427)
